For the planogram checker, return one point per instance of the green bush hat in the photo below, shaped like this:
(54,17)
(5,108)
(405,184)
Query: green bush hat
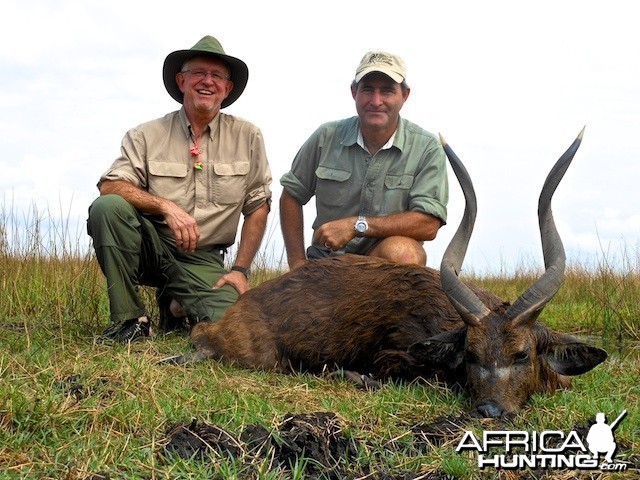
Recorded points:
(210,47)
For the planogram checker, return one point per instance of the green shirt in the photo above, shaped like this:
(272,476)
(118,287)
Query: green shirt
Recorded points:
(347,181)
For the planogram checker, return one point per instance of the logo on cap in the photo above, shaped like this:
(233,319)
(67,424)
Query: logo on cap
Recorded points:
(387,63)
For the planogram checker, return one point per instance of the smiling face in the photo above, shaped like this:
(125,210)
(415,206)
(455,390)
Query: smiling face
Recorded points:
(378,102)
(204,82)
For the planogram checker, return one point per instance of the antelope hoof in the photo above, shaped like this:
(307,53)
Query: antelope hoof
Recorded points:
(361,381)
(188,358)
(174,360)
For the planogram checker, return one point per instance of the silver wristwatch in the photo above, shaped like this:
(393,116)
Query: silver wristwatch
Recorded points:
(361,226)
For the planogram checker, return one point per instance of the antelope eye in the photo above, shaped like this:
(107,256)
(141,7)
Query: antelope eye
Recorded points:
(471,357)
(521,356)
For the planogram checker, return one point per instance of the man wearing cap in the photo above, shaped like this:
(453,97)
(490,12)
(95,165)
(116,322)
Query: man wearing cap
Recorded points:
(170,204)
(380,181)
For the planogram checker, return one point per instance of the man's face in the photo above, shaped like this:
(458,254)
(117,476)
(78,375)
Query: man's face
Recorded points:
(205,84)
(378,101)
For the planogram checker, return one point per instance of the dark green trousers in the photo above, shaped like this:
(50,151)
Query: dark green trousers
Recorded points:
(131,252)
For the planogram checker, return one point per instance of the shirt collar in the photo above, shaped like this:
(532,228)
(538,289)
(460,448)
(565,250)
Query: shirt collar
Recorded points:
(186,125)
(386,146)
(353,135)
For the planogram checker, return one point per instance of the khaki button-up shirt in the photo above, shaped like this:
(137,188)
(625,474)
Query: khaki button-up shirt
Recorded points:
(234,177)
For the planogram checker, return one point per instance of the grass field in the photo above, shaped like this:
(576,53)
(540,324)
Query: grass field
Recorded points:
(74,409)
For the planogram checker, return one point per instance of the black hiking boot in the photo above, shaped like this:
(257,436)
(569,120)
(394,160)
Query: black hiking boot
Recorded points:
(127,332)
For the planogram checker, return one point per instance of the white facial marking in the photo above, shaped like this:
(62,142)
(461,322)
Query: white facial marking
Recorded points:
(500,373)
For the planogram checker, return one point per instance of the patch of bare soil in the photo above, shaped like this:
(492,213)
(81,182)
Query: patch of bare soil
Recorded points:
(441,431)
(73,386)
(200,439)
(318,438)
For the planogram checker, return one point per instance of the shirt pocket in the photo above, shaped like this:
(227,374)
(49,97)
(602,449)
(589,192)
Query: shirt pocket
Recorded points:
(333,186)
(396,193)
(167,180)
(230,183)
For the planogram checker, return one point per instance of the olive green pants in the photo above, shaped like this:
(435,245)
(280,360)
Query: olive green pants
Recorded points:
(131,252)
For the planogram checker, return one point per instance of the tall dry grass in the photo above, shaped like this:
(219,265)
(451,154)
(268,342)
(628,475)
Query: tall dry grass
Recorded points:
(48,271)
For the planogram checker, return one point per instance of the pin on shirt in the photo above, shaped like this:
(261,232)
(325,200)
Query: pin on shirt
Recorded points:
(195,152)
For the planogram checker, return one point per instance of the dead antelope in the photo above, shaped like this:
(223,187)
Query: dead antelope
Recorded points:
(389,320)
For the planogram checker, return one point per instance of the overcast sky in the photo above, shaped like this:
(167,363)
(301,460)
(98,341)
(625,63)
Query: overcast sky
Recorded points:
(509,84)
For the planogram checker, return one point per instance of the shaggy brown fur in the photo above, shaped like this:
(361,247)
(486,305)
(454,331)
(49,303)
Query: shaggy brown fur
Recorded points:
(344,311)
(389,320)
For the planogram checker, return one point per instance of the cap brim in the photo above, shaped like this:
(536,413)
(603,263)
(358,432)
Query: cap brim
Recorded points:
(175,60)
(395,76)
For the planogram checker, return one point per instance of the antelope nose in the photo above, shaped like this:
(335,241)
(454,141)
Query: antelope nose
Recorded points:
(490,410)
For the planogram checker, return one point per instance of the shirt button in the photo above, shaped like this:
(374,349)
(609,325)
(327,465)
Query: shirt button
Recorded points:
(199,205)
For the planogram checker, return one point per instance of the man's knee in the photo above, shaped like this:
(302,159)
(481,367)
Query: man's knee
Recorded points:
(107,205)
(400,250)
(211,304)
(225,298)
(412,254)
(109,210)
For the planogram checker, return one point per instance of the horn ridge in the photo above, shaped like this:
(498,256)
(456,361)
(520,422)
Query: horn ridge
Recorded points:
(466,303)
(528,306)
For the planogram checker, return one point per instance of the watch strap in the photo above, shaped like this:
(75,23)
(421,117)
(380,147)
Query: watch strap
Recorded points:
(243,270)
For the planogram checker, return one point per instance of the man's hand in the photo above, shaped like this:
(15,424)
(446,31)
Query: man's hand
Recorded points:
(184,227)
(236,279)
(335,234)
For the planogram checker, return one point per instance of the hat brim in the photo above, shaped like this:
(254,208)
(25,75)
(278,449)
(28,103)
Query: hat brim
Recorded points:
(175,60)
(395,76)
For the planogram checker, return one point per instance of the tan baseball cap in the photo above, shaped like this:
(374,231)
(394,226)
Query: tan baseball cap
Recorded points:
(387,63)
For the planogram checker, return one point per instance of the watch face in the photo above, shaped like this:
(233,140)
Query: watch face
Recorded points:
(361,226)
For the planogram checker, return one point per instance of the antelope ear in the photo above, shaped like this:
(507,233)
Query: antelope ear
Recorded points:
(443,350)
(573,357)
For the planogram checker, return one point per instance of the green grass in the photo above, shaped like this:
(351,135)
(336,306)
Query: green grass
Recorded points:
(71,408)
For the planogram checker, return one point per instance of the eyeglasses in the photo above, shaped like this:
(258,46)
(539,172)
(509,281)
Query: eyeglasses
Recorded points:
(201,74)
